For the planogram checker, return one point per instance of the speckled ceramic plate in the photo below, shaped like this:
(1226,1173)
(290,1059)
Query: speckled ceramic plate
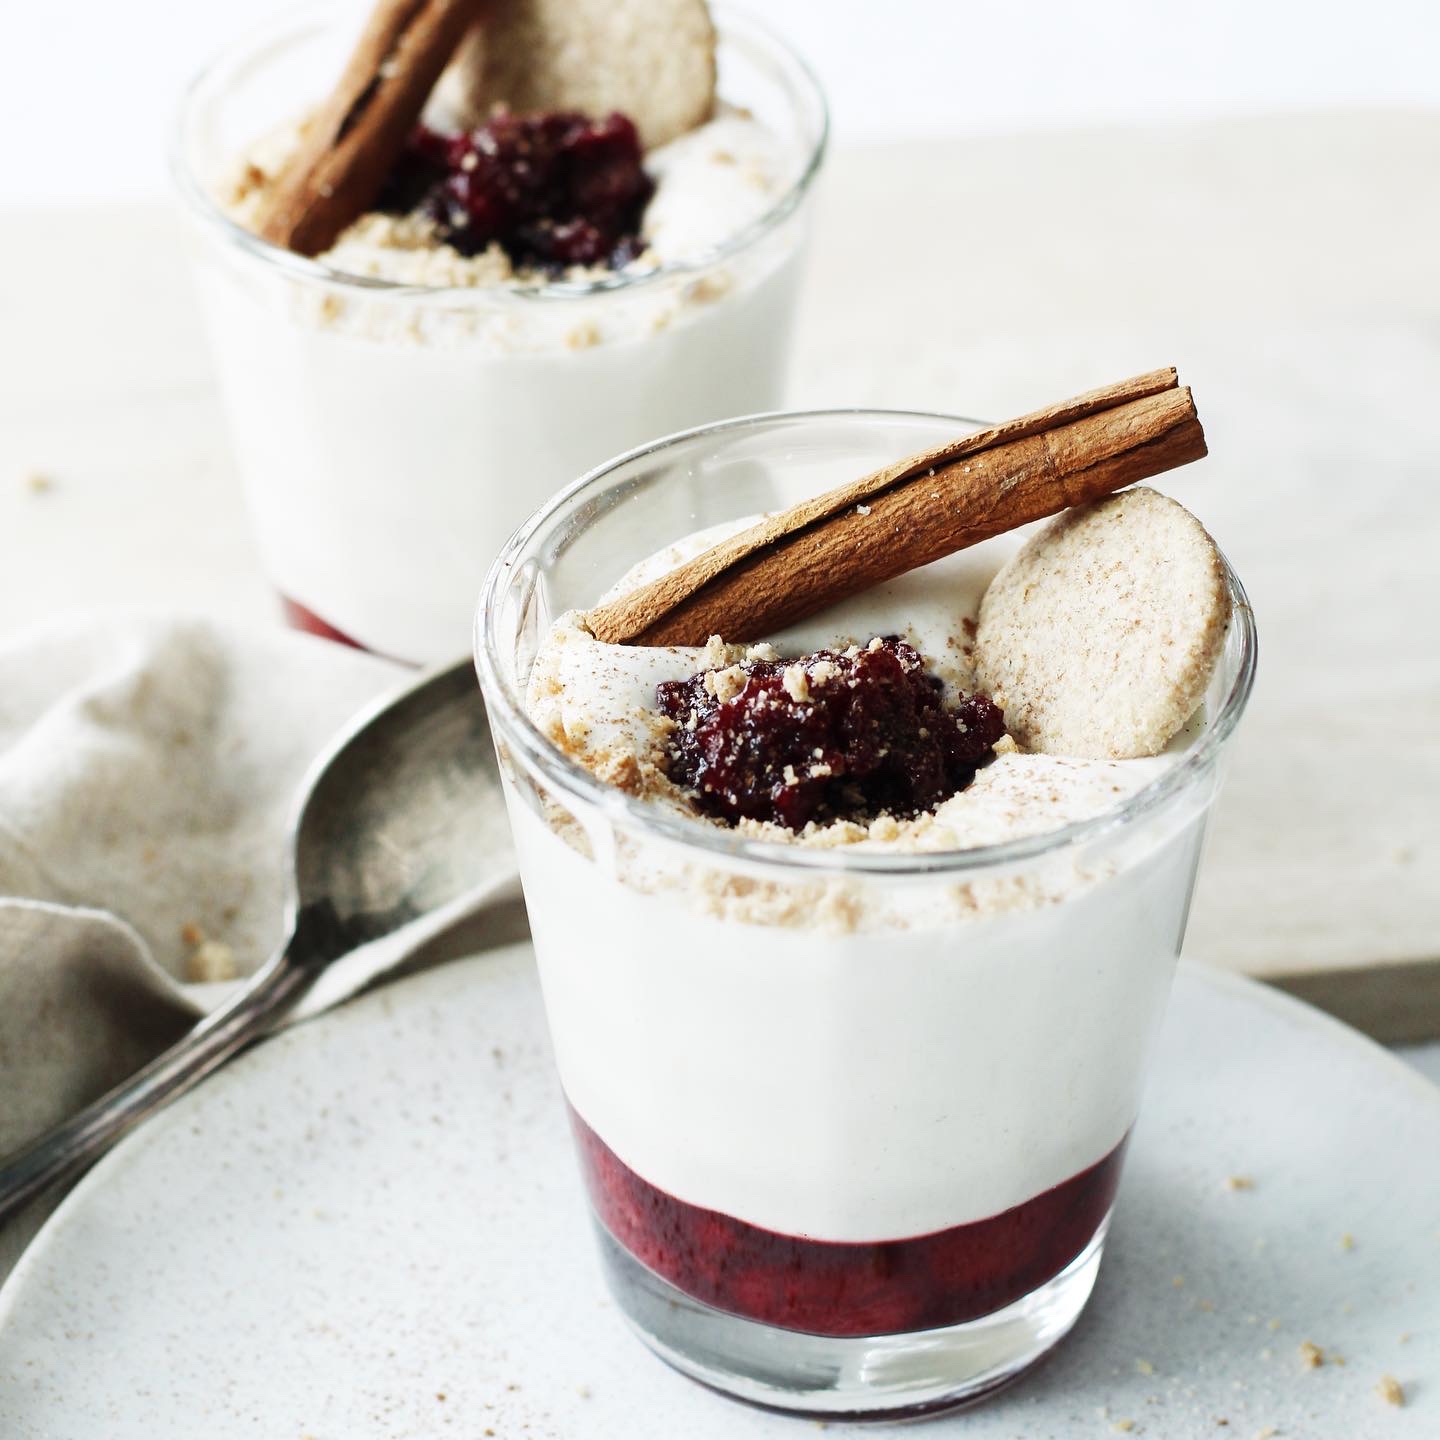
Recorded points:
(371,1227)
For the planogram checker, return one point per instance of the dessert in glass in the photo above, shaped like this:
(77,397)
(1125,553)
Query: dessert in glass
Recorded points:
(854,933)
(525,292)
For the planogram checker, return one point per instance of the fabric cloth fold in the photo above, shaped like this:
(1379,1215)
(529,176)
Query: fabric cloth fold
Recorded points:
(148,770)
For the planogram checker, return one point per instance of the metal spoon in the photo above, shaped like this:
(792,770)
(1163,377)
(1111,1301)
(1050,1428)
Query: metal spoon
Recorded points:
(399,827)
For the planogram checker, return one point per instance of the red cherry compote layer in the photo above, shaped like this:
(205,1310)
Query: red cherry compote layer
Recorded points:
(553,189)
(820,1287)
(298,617)
(833,736)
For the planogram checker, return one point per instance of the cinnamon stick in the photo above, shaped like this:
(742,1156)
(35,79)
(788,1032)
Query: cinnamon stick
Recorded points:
(353,141)
(908,514)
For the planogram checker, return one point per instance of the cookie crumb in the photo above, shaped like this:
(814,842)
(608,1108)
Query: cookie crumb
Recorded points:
(1347,1241)
(1144,1367)
(1239,1182)
(192,934)
(708,289)
(796,683)
(1267,1432)
(1390,1390)
(1178,1282)
(1123,1426)
(38,482)
(210,961)
(725,684)
(1312,1357)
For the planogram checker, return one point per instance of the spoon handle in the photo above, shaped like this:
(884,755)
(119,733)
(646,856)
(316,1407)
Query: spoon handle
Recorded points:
(87,1135)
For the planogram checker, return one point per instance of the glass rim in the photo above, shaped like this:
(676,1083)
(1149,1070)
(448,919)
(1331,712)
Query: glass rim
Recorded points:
(203,205)
(510,720)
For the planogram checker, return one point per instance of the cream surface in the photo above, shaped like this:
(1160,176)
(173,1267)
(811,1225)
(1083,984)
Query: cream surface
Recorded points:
(712,184)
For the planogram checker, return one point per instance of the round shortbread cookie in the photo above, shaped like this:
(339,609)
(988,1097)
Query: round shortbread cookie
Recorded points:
(653,60)
(1099,637)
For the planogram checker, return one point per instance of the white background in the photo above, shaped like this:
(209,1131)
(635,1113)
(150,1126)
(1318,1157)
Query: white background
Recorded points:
(87,89)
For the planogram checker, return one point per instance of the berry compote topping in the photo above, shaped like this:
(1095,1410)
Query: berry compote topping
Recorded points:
(553,189)
(829,737)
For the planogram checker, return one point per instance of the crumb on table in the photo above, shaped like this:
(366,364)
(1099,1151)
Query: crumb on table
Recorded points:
(210,961)
(1390,1390)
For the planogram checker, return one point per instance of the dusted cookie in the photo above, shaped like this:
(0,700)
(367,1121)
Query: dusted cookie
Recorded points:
(653,60)
(1100,636)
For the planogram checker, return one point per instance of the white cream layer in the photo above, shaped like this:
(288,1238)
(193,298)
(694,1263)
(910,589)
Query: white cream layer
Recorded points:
(852,1086)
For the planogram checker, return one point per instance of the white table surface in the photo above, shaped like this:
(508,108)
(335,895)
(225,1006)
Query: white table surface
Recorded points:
(1287,265)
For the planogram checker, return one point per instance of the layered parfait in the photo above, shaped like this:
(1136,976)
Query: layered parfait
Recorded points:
(857,842)
(516,238)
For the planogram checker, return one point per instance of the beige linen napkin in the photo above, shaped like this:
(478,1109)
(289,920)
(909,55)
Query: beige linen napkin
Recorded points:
(148,767)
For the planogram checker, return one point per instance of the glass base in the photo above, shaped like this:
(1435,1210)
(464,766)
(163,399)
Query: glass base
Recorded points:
(883,1377)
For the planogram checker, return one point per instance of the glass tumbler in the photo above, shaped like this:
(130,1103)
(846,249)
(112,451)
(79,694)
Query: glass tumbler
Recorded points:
(851,1124)
(390,436)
